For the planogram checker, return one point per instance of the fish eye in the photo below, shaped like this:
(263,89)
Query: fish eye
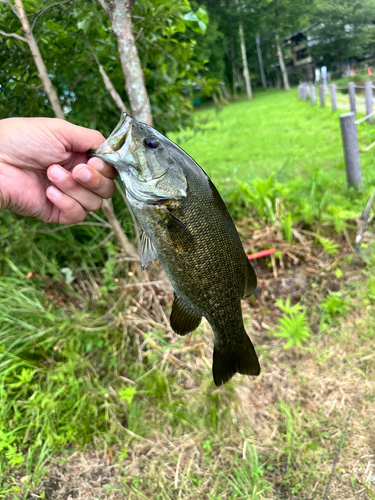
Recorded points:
(151,142)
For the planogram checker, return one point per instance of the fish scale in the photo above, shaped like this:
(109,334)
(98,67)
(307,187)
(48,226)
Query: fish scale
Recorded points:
(187,226)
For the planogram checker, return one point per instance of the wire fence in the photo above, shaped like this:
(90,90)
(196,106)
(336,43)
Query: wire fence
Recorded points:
(355,100)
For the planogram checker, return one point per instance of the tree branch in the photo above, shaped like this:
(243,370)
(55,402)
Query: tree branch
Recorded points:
(107,81)
(14,35)
(11,6)
(46,8)
(105,7)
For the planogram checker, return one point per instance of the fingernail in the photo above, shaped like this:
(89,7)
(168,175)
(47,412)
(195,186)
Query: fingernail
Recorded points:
(84,174)
(58,173)
(97,164)
(54,192)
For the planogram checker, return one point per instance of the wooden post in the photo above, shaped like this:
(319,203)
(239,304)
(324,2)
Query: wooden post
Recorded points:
(304,87)
(312,91)
(307,87)
(368,99)
(333,97)
(351,92)
(299,92)
(351,152)
(321,95)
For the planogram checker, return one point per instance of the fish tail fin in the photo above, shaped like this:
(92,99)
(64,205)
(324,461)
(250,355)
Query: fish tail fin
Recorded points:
(227,362)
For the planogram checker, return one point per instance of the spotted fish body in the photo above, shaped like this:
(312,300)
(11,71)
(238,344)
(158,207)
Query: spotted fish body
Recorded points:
(187,226)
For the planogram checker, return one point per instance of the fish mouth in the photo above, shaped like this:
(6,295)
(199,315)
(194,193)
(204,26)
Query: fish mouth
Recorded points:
(109,151)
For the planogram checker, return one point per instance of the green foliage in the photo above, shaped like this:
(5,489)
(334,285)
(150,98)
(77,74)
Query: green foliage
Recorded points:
(329,246)
(50,386)
(335,306)
(247,478)
(293,325)
(342,33)
(64,32)
(300,451)
(265,195)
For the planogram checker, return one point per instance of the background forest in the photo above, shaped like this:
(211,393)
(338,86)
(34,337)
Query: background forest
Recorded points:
(98,398)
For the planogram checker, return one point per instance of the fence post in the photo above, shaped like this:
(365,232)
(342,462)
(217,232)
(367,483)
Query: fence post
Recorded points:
(299,91)
(333,97)
(351,92)
(312,95)
(321,94)
(368,98)
(351,152)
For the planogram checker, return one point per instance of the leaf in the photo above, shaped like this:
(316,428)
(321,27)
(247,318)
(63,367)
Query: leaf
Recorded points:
(84,25)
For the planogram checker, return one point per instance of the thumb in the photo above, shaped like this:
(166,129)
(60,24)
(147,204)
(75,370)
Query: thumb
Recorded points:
(76,138)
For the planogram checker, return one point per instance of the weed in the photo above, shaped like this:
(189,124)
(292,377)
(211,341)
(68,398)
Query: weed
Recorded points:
(293,325)
(247,479)
(335,306)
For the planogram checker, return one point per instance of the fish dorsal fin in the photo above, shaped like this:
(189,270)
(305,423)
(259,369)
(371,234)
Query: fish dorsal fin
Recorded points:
(181,237)
(250,279)
(182,319)
(147,252)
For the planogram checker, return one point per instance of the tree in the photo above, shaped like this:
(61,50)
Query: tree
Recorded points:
(280,55)
(170,68)
(119,12)
(342,31)
(19,11)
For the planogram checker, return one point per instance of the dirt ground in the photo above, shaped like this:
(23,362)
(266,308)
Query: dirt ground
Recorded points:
(331,386)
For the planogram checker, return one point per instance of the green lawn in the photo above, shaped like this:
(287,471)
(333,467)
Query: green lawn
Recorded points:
(276,133)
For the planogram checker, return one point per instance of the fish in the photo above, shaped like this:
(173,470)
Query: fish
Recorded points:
(187,226)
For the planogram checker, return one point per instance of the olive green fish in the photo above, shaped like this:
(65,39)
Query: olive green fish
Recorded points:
(187,226)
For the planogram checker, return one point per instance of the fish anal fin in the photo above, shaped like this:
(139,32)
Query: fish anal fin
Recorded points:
(227,362)
(182,319)
(250,279)
(147,251)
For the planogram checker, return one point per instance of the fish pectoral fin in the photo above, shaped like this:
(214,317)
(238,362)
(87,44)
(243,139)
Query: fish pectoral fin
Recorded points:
(227,362)
(182,319)
(181,237)
(147,251)
(250,279)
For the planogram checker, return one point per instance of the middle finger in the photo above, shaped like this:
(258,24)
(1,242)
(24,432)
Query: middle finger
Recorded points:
(65,182)
(92,179)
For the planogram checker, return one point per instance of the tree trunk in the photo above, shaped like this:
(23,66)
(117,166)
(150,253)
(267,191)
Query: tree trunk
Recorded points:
(120,15)
(283,70)
(42,70)
(225,91)
(246,73)
(234,69)
(126,245)
(260,59)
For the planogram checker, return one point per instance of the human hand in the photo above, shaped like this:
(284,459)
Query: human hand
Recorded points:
(45,171)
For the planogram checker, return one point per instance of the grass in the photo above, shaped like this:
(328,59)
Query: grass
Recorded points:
(277,147)
(99,399)
(275,133)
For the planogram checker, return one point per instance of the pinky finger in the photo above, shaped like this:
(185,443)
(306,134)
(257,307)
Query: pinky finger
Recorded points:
(70,211)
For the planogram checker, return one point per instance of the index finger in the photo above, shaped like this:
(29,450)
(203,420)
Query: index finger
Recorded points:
(103,168)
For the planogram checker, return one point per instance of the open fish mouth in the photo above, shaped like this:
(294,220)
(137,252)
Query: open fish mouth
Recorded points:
(109,151)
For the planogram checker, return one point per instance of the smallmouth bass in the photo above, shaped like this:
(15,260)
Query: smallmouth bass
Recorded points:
(187,226)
